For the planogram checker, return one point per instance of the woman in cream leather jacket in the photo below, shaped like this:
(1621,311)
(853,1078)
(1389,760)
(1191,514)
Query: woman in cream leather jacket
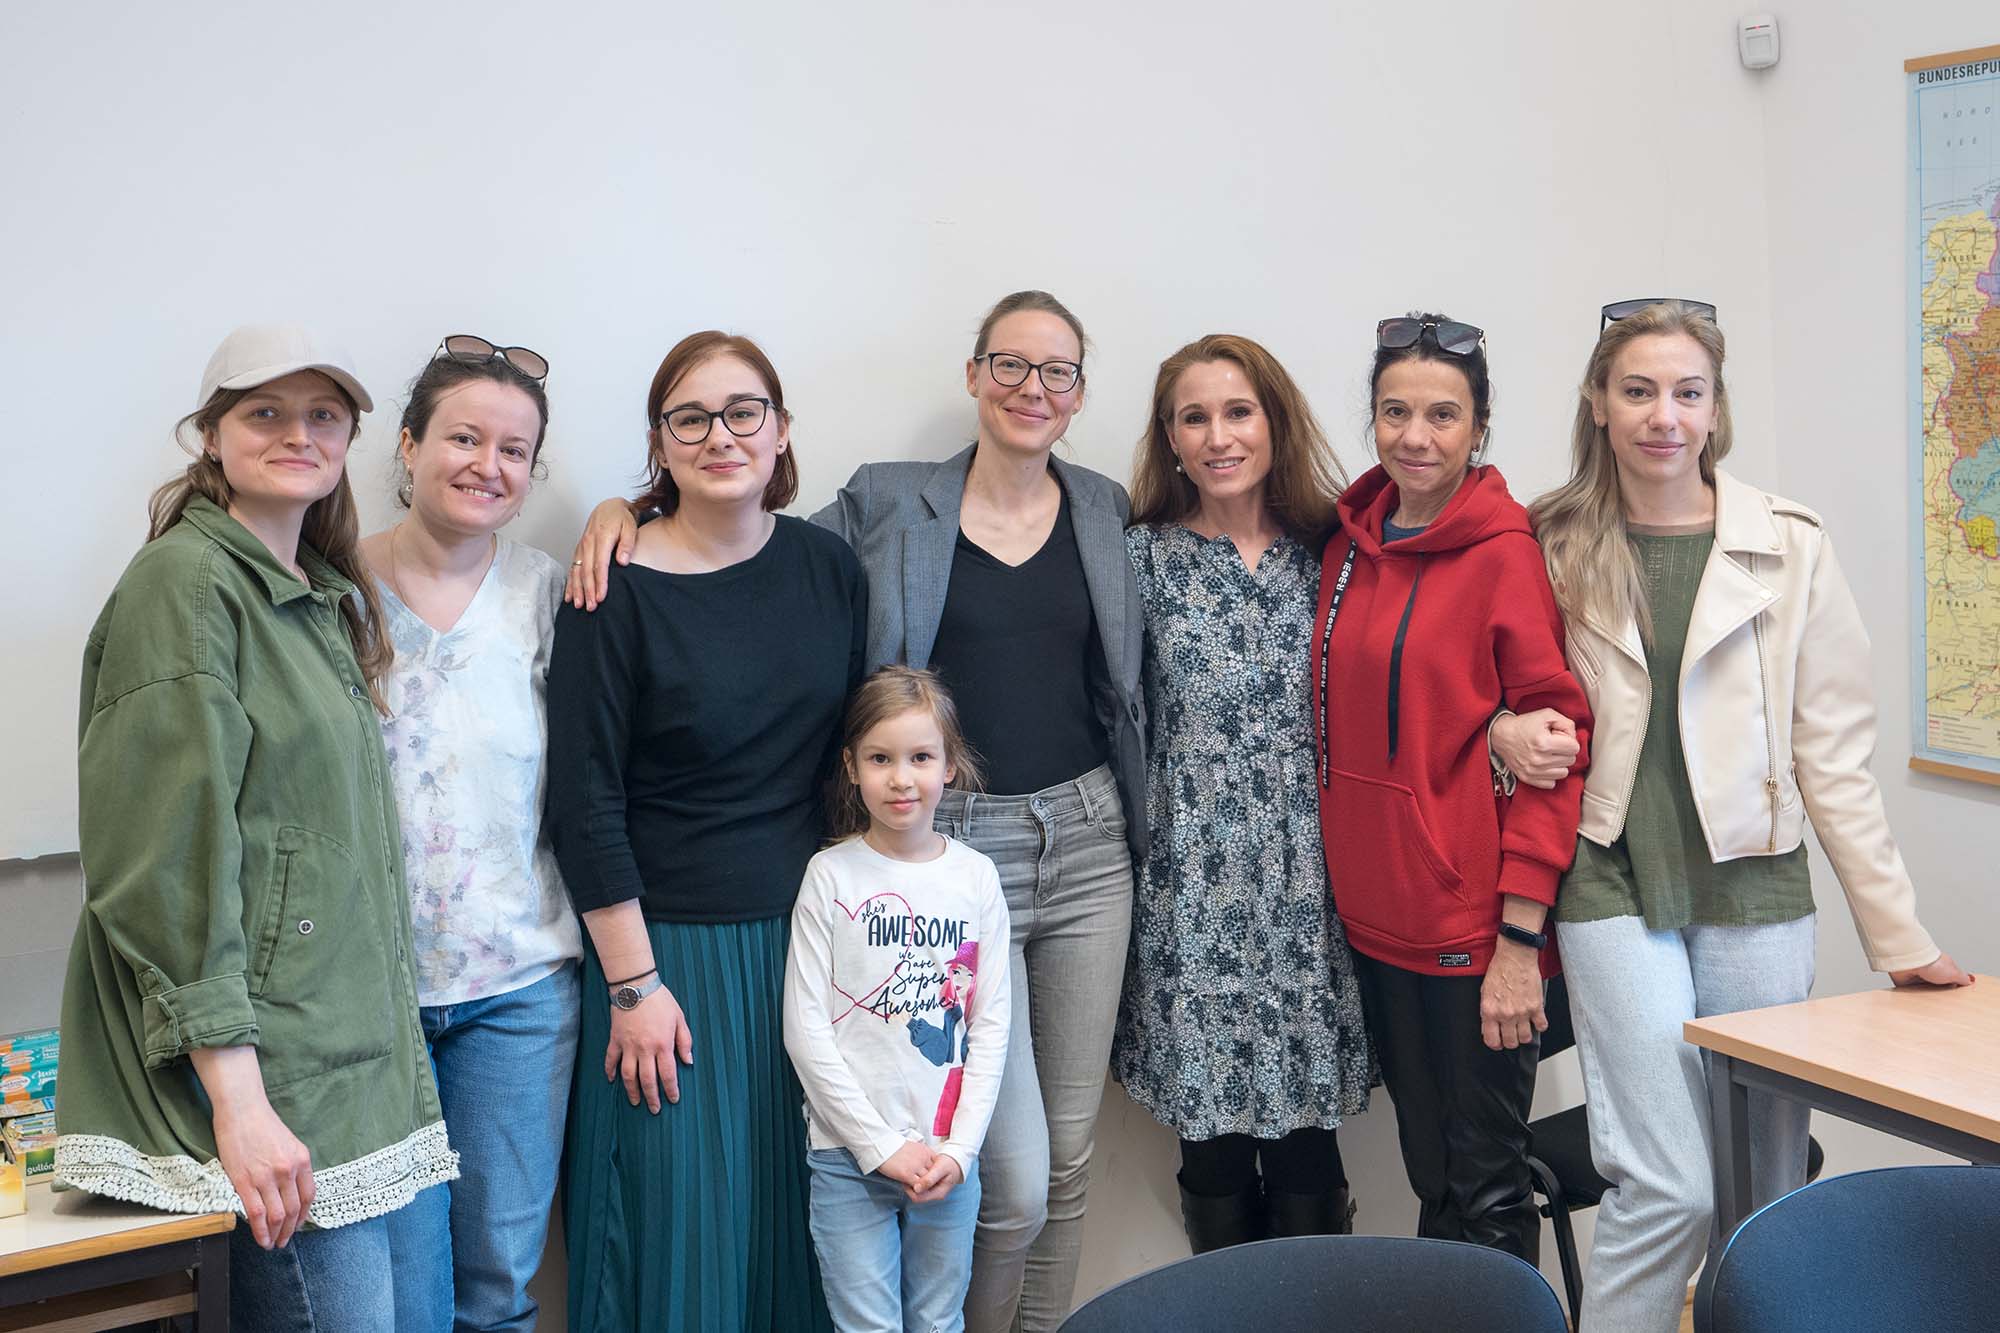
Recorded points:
(1726,664)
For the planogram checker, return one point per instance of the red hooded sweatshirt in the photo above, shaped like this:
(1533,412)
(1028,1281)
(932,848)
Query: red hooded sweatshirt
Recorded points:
(1433,634)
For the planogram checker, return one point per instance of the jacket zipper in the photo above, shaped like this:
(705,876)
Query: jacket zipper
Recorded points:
(1632,778)
(1770,733)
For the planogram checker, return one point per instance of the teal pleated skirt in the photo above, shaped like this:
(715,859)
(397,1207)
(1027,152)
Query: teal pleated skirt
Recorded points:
(694,1220)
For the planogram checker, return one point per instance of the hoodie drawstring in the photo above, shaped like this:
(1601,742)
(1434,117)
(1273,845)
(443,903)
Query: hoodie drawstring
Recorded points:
(1396,661)
(1326,656)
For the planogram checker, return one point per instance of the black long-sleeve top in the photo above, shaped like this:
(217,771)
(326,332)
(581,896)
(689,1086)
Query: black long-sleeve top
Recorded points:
(693,720)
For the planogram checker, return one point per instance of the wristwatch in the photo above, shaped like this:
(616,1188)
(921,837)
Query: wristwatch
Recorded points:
(628,996)
(1522,935)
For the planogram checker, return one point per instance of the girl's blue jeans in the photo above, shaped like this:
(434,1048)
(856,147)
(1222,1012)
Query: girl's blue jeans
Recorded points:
(887,1263)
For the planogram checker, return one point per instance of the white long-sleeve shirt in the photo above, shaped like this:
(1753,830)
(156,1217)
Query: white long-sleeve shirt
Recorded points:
(896,1000)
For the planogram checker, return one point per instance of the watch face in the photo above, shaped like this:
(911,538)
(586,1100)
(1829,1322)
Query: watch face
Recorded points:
(626,997)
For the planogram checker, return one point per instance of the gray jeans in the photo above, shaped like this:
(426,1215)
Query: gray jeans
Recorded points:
(1630,990)
(1067,874)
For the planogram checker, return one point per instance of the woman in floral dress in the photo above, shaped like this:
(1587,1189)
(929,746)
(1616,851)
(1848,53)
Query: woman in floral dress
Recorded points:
(1240,1026)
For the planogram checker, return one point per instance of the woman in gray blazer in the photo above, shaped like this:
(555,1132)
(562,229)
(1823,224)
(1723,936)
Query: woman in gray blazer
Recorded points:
(1003,568)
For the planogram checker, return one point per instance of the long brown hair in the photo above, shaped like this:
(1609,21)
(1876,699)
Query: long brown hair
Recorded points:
(891,692)
(332,527)
(1305,479)
(1581,523)
(661,493)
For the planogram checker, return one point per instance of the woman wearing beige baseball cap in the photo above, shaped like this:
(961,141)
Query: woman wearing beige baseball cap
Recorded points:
(240,1015)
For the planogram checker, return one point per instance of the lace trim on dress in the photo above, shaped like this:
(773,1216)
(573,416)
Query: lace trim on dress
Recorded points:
(355,1191)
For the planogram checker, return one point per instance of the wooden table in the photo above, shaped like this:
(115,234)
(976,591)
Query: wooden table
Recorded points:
(1921,1063)
(74,1261)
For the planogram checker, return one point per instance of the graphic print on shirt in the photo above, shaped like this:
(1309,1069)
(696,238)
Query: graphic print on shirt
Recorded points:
(906,980)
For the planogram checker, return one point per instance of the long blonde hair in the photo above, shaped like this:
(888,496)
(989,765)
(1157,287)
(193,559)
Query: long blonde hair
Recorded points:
(1581,524)
(332,527)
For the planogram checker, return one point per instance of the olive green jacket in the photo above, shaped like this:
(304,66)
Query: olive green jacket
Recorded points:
(243,884)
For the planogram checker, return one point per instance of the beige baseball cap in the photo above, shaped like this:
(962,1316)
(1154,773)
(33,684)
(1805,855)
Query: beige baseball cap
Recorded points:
(259,353)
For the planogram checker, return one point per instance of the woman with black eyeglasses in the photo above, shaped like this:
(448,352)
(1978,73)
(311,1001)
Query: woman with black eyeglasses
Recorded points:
(470,616)
(1003,568)
(1434,610)
(693,720)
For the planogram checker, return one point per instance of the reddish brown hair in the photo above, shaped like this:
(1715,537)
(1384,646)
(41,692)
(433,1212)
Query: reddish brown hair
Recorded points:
(689,352)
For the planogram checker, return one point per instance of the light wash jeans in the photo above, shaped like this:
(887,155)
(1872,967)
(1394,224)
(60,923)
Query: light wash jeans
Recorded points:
(332,1281)
(1067,874)
(465,1252)
(888,1264)
(1630,991)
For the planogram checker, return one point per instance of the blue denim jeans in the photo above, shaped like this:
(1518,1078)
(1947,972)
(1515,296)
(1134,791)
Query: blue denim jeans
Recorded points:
(333,1281)
(887,1263)
(1630,990)
(1067,874)
(465,1252)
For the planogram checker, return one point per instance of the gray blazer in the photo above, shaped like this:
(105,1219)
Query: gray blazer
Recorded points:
(902,520)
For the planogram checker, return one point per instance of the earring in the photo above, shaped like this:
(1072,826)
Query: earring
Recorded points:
(406,491)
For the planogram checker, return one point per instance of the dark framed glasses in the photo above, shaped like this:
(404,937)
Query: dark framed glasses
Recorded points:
(691,424)
(1009,370)
(1452,336)
(1618,310)
(473,349)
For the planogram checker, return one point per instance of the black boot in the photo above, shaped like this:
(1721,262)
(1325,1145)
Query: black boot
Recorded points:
(1328,1214)
(1214,1223)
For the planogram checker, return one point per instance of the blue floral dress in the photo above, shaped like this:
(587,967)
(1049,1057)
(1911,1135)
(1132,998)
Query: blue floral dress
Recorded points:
(1240,1012)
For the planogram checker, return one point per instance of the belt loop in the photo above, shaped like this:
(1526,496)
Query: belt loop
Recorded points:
(966,814)
(1083,793)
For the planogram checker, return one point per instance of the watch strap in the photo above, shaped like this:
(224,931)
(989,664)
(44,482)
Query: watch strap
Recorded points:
(628,996)
(1522,935)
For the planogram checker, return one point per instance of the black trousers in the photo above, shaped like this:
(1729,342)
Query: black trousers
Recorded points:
(1461,1109)
(1305,1161)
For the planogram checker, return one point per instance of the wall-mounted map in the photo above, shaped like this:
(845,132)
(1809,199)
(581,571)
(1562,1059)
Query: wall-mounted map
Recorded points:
(1955,374)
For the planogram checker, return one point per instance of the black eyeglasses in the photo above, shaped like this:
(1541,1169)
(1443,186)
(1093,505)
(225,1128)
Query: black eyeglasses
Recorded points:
(691,425)
(473,349)
(1010,370)
(1618,310)
(1452,336)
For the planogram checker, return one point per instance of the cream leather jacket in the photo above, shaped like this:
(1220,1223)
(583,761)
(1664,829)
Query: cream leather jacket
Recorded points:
(1777,715)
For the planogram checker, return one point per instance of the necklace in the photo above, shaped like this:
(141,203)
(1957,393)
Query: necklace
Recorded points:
(396,584)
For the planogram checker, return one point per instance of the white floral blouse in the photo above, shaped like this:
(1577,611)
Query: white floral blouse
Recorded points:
(467,736)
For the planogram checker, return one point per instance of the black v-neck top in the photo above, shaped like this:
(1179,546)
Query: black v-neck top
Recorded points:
(1017,645)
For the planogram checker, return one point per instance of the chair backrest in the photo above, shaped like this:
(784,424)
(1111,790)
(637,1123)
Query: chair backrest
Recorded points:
(1902,1247)
(1334,1283)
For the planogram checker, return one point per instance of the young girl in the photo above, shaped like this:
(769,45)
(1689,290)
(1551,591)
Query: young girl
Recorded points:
(898,1032)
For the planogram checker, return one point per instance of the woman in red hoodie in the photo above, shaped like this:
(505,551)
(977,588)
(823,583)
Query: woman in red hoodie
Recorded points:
(1434,610)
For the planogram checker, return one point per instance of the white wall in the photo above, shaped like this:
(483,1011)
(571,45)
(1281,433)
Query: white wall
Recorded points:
(1836,144)
(853,185)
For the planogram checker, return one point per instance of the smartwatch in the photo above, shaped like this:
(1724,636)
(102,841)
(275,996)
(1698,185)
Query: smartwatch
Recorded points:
(628,996)
(1522,935)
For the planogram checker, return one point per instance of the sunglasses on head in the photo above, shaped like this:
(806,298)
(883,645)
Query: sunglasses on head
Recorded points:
(1452,336)
(473,349)
(1626,309)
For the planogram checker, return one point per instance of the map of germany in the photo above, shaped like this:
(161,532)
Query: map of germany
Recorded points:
(1955,134)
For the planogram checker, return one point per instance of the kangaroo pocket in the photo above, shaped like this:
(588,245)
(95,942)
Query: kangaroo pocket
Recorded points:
(1389,877)
(323,964)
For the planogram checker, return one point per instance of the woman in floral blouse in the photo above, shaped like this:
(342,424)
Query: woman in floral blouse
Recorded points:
(1240,1027)
(472,615)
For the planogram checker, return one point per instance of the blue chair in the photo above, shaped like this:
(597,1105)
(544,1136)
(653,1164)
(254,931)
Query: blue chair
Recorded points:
(1903,1247)
(1358,1283)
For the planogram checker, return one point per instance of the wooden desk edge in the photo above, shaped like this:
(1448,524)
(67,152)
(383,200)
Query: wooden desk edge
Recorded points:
(170,1228)
(1896,1099)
